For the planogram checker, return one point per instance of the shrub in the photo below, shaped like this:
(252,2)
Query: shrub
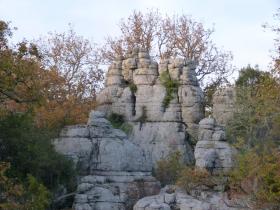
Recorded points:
(257,174)
(171,87)
(30,151)
(118,122)
(169,169)
(132,87)
(28,196)
(191,178)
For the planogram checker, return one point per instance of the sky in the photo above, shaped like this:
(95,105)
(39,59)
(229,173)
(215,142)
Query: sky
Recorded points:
(238,23)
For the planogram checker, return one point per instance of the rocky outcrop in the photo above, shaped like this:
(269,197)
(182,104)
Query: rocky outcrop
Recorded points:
(113,171)
(223,104)
(134,89)
(212,151)
(171,198)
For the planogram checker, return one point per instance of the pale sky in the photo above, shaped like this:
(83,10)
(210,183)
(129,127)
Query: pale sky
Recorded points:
(238,23)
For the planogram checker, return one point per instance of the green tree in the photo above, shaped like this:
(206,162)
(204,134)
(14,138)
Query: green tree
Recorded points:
(16,195)
(30,151)
(257,108)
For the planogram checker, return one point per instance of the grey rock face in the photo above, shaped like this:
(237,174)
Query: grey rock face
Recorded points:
(223,104)
(212,151)
(164,129)
(160,139)
(171,197)
(114,172)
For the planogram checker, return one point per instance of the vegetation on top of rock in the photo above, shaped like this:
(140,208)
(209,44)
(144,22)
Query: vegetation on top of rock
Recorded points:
(169,37)
(171,87)
(132,87)
(118,122)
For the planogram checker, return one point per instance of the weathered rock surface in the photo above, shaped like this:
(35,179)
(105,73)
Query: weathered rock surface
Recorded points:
(114,172)
(171,198)
(212,151)
(223,104)
(115,169)
(133,89)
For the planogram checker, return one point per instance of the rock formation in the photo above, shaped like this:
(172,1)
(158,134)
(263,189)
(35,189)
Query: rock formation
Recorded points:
(223,104)
(163,104)
(134,89)
(171,198)
(212,151)
(113,171)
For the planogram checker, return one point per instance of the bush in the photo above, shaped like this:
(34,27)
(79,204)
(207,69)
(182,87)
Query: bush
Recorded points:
(132,87)
(257,174)
(169,169)
(30,151)
(118,122)
(28,196)
(192,178)
(171,87)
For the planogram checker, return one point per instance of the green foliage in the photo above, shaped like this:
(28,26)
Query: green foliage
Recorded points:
(30,151)
(22,196)
(254,131)
(169,169)
(118,122)
(249,76)
(39,195)
(127,128)
(256,119)
(171,87)
(258,175)
(132,87)
(208,92)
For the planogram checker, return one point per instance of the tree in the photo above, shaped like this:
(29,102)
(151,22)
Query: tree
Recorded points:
(276,52)
(29,150)
(15,195)
(73,78)
(75,59)
(256,119)
(169,37)
(20,73)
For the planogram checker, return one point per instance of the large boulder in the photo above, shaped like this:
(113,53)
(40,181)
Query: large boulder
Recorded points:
(135,90)
(171,197)
(212,152)
(223,104)
(113,171)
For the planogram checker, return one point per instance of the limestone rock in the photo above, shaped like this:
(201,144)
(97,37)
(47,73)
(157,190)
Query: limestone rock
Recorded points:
(223,104)
(181,201)
(155,126)
(114,172)
(212,151)
(161,139)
